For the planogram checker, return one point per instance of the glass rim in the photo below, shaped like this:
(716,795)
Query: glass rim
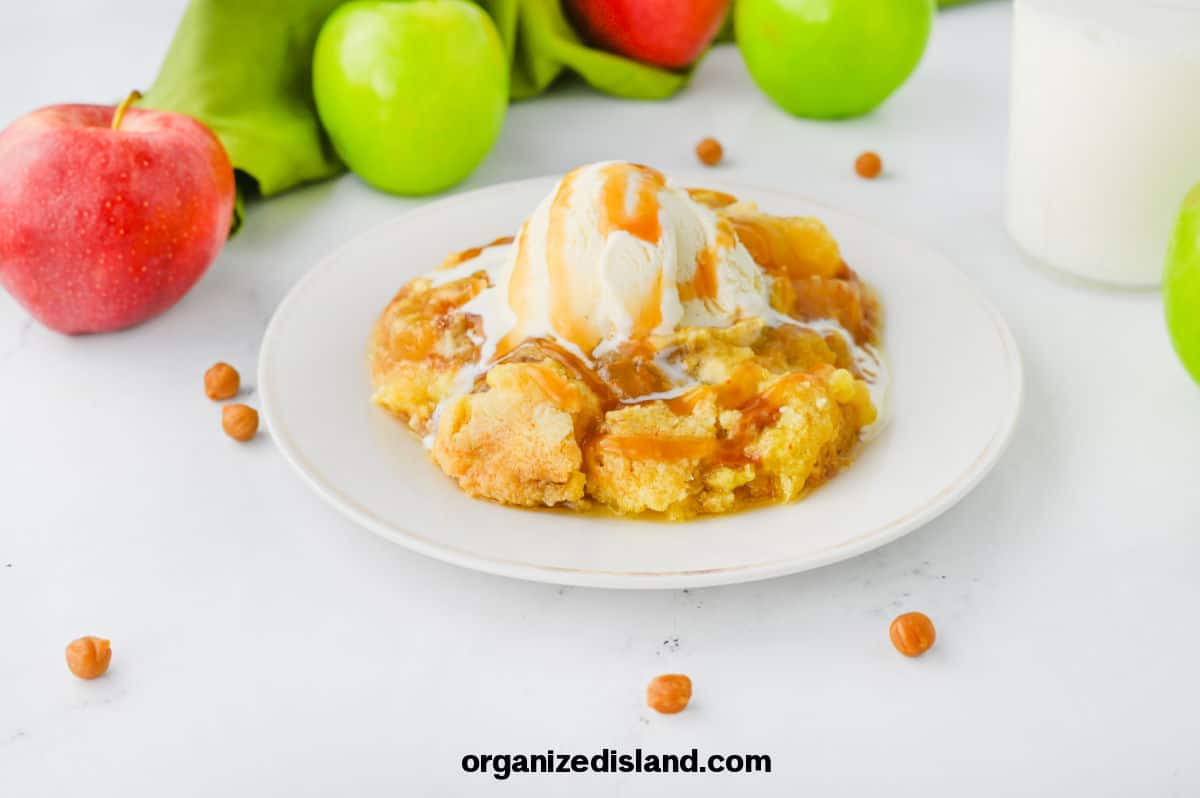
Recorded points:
(1167,28)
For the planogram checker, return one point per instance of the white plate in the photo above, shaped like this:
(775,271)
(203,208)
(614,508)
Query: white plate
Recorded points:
(954,399)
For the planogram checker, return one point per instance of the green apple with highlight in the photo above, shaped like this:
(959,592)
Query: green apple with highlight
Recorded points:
(411,92)
(1181,284)
(828,59)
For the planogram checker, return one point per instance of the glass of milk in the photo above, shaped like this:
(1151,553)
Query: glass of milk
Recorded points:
(1104,138)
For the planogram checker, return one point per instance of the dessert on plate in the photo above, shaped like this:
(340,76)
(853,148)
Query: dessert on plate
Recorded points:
(639,347)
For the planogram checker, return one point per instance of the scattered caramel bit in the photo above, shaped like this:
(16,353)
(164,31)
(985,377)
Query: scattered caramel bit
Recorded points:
(912,634)
(88,657)
(669,693)
(710,152)
(221,382)
(240,422)
(868,165)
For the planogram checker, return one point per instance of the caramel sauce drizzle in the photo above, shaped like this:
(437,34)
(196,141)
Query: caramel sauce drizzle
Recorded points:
(560,392)
(642,220)
(758,411)
(649,316)
(533,350)
(704,282)
(711,198)
(645,447)
(518,295)
(470,254)
(634,211)
(613,386)
(767,249)
(632,372)
(568,306)
(618,379)
(739,389)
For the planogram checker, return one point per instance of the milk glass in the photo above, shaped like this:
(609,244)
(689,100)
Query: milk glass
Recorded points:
(1104,137)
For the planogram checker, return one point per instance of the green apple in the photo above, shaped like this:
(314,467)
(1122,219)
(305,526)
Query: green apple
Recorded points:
(1181,284)
(412,92)
(827,59)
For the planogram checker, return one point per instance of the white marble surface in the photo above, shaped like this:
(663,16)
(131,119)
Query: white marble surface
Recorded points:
(264,646)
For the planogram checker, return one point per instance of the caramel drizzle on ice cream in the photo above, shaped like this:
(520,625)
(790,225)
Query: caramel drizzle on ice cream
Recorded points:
(557,270)
(553,304)
(642,220)
(569,305)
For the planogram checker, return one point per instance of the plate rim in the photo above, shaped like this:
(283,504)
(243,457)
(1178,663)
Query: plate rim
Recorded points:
(949,496)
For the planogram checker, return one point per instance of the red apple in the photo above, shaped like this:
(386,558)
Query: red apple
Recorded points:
(666,33)
(109,215)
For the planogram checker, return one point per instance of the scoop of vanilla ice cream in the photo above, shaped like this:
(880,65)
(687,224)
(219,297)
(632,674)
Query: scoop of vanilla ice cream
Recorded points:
(616,252)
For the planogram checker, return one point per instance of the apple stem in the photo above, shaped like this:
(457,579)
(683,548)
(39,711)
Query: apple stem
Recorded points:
(119,114)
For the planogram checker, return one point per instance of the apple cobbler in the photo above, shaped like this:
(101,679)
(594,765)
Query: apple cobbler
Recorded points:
(636,346)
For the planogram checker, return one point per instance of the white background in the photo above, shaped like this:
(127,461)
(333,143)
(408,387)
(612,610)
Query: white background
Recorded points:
(265,646)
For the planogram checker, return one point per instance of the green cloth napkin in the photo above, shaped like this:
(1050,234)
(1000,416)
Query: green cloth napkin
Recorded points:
(243,67)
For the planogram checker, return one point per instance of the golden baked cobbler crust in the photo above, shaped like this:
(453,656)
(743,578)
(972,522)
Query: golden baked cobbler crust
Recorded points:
(776,409)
